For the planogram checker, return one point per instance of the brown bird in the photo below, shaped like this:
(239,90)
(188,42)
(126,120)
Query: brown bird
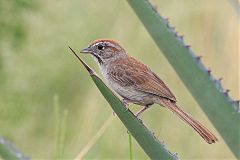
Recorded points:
(137,84)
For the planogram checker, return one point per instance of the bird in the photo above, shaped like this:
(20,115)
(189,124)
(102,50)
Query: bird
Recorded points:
(137,83)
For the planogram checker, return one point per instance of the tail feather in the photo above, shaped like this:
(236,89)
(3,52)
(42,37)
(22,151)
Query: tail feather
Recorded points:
(199,128)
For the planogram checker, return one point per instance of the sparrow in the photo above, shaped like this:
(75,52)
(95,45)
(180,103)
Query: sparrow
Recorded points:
(137,84)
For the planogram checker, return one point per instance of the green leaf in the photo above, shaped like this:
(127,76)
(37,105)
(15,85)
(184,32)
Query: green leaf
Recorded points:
(60,130)
(8,151)
(130,146)
(207,91)
(149,143)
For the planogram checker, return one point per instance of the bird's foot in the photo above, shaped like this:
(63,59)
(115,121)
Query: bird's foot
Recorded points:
(141,111)
(139,120)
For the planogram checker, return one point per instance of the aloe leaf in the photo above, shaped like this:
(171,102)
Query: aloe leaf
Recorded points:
(148,142)
(8,151)
(208,92)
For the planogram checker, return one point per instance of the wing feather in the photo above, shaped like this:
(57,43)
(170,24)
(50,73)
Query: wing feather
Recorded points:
(130,72)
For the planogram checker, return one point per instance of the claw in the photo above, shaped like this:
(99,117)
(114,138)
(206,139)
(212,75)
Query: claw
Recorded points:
(139,120)
(199,58)
(141,110)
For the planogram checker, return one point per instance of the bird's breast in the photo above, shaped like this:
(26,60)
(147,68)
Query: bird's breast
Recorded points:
(117,87)
(128,92)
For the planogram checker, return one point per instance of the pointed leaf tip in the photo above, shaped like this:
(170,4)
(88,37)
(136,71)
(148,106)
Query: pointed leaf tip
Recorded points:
(166,19)
(172,28)
(226,92)
(90,71)
(236,102)
(209,71)
(155,8)
(181,37)
(199,58)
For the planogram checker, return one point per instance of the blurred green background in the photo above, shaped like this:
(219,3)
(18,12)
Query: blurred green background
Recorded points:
(37,71)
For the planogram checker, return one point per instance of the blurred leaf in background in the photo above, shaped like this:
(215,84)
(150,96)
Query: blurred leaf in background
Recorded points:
(35,65)
(13,24)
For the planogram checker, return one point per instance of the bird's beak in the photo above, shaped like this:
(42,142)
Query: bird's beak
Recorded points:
(86,50)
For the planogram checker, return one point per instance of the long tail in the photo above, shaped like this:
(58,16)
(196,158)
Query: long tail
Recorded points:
(199,128)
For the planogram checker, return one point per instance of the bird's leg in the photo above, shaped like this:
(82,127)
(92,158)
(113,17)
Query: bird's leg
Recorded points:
(141,110)
(125,103)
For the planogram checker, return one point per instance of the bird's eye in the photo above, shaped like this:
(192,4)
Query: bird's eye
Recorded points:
(100,47)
